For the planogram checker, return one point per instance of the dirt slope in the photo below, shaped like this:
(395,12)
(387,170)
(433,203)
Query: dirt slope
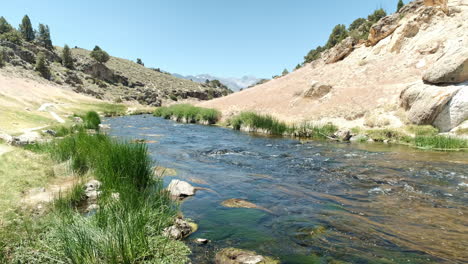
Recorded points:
(366,85)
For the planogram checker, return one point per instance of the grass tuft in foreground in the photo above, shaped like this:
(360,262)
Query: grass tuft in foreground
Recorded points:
(188,114)
(126,229)
(92,120)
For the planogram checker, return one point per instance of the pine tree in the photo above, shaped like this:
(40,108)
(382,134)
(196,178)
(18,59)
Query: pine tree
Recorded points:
(43,37)
(5,27)
(99,55)
(26,29)
(139,61)
(298,66)
(338,34)
(41,65)
(285,72)
(2,62)
(400,5)
(67,59)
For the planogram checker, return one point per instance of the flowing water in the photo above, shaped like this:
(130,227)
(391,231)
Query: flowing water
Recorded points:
(319,202)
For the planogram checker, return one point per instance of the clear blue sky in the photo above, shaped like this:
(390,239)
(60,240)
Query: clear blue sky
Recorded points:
(219,37)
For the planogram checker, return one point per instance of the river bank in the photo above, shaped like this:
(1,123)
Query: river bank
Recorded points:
(423,137)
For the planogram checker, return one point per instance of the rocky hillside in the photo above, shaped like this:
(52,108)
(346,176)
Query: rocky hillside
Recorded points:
(235,84)
(412,69)
(118,80)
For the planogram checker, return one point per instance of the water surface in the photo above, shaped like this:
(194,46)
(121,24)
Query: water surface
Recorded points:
(324,202)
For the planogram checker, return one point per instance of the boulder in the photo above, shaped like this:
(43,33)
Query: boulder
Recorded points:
(340,51)
(383,29)
(317,90)
(425,102)
(454,112)
(92,190)
(26,139)
(240,256)
(100,71)
(443,4)
(343,135)
(451,68)
(180,189)
(50,132)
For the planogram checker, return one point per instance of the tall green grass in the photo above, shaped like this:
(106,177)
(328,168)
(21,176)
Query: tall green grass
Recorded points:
(123,230)
(267,124)
(92,120)
(188,114)
(253,121)
(440,142)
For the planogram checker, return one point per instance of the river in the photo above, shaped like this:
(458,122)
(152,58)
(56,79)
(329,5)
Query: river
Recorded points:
(320,202)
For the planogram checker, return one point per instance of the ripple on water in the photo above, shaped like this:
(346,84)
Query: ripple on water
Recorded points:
(355,203)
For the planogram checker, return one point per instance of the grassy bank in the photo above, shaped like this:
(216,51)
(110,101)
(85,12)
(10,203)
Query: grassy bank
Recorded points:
(254,122)
(133,209)
(189,114)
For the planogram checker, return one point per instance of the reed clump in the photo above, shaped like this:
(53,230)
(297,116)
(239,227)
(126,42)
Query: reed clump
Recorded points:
(189,114)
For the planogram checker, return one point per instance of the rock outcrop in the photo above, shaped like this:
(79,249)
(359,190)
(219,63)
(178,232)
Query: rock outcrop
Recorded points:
(317,90)
(340,51)
(425,103)
(454,112)
(451,68)
(382,29)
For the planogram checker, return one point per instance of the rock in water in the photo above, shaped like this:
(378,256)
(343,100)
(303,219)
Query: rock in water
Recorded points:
(343,135)
(239,203)
(239,256)
(181,189)
(180,229)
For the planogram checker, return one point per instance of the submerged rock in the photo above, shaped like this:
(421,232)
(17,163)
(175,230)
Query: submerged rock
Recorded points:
(239,203)
(240,256)
(181,189)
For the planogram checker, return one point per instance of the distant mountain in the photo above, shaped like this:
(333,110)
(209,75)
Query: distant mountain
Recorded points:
(234,84)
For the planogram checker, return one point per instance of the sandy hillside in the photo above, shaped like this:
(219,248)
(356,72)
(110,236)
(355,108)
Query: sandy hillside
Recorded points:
(22,94)
(368,82)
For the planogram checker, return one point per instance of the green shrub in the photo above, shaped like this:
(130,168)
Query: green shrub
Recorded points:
(338,34)
(5,27)
(380,135)
(67,58)
(41,66)
(2,62)
(92,120)
(307,130)
(99,55)
(188,114)
(13,36)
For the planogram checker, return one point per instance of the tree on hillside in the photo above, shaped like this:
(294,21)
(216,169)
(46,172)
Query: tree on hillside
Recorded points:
(43,37)
(314,54)
(26,29)
(377,15)
(99,55)
(298,66)
(285,72)
(338,34)
(139,61)
(357,23)
(67,59)
(41,65)
(5,27)
(400,5)
(2,62)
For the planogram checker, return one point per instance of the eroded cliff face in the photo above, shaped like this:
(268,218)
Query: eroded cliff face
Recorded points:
(410,59)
